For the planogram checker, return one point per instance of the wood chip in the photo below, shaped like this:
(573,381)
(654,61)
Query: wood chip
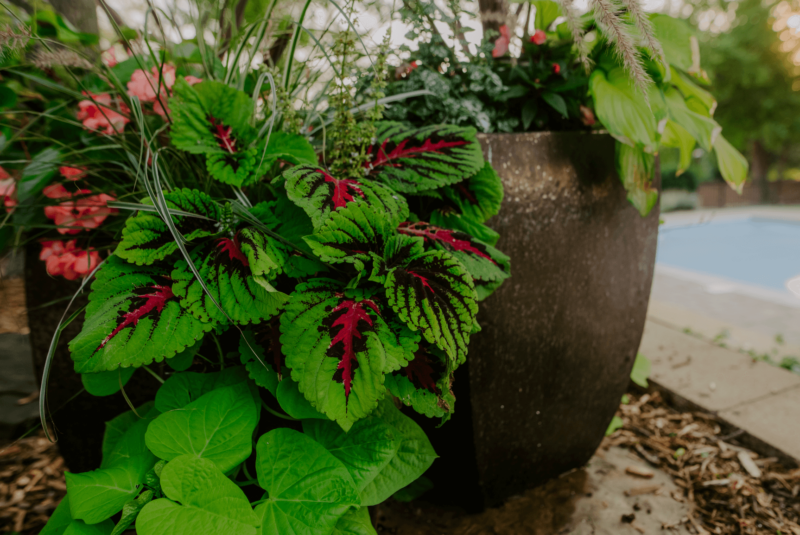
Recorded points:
(639,491)
(639,471)
(748,464)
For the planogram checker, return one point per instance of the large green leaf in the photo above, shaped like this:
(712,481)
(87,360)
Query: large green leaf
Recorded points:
(294,403)
(292,148)
(433,293)
(675,36)
(678,137)
(210,503)
(732,164)
(413,458)
(635,169)
(218,426)
(124,435)
(133,318)
(106,383)
(332,345)
(424,384)
(184,388)
(355,522)
(703,129)
(365,449)
(319,193)
(697,98)
(131,510)
(308,488)
(418,159)
(480,196)
(62,523)
(146,238)
(546,12)
(97,495)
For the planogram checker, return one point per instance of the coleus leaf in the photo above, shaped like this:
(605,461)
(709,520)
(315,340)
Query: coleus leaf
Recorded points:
(433,293)
(232,269)
(416,159)
(294,403)
(292,148)
(218,426)
(353,234)
(133,318)
(332,345)
(424,384)
(260,352)
(308,488)
(146,238)
(479,197)
(484,263)
(237,169)
(454,221)
(319,193)
(210,503)
(281,215)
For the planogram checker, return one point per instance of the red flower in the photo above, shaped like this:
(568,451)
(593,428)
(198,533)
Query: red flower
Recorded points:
(556,68)
(93,118)
(72,173)
(587,116)
(8,189)
(76,215)
(539,37)
(501,45)
(67,260)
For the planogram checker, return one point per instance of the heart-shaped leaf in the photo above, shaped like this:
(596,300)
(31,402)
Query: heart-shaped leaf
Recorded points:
(106,383)
(308,488)
(62,523)
(355,522)
(183,388)
(294,403)
(124,436)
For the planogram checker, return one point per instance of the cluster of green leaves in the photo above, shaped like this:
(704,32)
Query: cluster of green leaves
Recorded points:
(347,295)
(546,88)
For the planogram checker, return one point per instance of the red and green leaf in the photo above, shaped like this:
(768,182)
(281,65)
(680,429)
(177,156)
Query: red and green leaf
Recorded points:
(433,293)
(479,197)
(260,351)
(424,384)
(411,160)
(146,238)
(133,318)
(333,347)
(319,193)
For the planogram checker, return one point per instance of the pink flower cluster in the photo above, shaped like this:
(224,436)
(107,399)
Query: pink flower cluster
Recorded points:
(97,114)
(67,260)
(501,45)
(76,215)
(144,84)
(8,190)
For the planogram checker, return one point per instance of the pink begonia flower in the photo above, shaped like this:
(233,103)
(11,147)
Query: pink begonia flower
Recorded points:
(501,45)
(192,80)
(143,85)
(8,190)
(56,191)
(587,116)
(109,57)
(67,260)
(72,173)
(95,118)
(76,215)
(539,37)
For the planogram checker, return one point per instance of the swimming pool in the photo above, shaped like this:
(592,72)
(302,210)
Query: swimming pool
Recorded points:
(753,250)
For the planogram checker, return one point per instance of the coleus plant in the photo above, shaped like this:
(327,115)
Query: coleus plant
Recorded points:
(333,301)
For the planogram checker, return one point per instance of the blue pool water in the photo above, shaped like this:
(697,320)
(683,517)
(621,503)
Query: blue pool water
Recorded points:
(763,252)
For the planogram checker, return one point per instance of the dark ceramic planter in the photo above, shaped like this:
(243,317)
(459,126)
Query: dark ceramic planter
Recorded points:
(559,338)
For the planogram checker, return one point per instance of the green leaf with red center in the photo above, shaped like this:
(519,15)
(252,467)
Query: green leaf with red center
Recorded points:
(433,293)
(488,266)
(356,234)
(237,169)
(479,197)
(260,351)
(232,270)
(411,160)
(319,193)
(424,384)
(133,318)
(146,238)
(333,346)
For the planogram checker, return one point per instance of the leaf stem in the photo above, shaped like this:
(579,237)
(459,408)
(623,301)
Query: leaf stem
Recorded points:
(219,348)
(276,413)
(154,374)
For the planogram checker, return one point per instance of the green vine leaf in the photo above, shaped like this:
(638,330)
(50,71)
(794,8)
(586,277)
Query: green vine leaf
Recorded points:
(294,403)
(333,348)
(218,426)
(419,159)
(106,383)
(355,522)
(479,197)
(424,384)
(146,238)
(133,318)
(209,503)
(319,193)
(62,523)
(131,510)
(309,490)
(433,293)
(184,388)
(124,435)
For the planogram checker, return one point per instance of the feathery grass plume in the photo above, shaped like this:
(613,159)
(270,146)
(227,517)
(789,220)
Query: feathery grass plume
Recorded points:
(45,59)
(575,26)
(13,40)
(645,27)
(615,30)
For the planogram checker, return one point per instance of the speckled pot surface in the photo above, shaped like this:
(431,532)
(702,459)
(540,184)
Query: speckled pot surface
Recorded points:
(559,338)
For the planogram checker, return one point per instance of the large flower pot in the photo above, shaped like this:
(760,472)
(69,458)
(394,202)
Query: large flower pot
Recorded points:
(559,338)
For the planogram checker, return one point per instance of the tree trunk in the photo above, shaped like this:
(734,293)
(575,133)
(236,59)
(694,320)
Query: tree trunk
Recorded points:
(494,13)
(759,166)
(81,13)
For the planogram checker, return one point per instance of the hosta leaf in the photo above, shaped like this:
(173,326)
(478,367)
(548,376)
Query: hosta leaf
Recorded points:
(703,129)
(210,503)
(229,277)
(318,193)
(424,384)
(355,522)
(133,318)
(61,523)
(260,352)
(353,235)
(413,458)
(106,383)
(308,488)
(184,388)
(331,345)
(418,159)
(364,450)
(97,495)
(433,293)
(218,426)
(732,164)
(124,435)
(292,148)
(146,238)
(635,169)
(480,196)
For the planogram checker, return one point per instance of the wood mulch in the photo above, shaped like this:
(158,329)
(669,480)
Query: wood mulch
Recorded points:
(31,484)
(732,489)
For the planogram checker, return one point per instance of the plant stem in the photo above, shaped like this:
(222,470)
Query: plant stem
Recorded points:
(154,374)
(276,413)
